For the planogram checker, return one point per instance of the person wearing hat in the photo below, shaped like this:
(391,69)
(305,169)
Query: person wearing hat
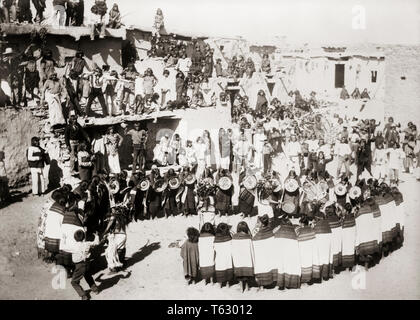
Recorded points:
(96,83)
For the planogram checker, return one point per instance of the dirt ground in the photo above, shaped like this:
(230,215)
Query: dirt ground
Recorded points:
(155,269)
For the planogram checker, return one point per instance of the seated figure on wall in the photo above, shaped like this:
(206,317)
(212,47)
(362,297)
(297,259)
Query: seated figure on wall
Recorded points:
(114,18)
(98,10)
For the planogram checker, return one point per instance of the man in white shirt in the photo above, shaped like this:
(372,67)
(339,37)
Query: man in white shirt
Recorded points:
(242,151)
(395,158)
(97,82)
(293,151)
(36,158)
(184,64)
(343,153)
(80,253)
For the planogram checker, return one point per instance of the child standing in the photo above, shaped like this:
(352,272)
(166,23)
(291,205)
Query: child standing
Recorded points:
(189,254)
(80,254)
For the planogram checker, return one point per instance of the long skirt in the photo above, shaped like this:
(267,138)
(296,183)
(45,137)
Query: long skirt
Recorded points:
(265,268)
(336,245)
(114,163)
(288,258)
(206,256)
(387,221)
(223,261)
(187,203)
(368,232)
(308,255)
(348,243)
(242,256)
(323,236)
(55,110)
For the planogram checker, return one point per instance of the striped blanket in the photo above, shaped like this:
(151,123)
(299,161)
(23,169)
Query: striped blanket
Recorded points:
(323,236)
(223,259)
(309,261)
(348,242)
(287,258)
(242,255)
(206,255)
(265,268)
(367,230)
(388,217)
(55,215)
(336,244)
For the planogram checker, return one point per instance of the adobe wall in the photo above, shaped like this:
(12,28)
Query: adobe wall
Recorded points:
(16,130)
(402,96)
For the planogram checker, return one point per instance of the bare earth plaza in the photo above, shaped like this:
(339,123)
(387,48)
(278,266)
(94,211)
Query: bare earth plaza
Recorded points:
(197,150)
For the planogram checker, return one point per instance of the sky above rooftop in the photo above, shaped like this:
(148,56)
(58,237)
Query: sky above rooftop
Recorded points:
(313,21)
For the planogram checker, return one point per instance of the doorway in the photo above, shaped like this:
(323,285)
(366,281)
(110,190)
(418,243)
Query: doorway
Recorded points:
(339,75)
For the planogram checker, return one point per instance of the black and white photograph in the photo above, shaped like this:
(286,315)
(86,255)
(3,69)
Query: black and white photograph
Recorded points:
(229,151)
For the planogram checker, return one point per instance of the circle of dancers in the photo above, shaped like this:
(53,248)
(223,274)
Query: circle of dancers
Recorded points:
(304,232)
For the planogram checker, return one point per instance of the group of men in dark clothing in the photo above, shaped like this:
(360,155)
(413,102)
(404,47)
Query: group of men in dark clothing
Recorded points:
(20,11)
